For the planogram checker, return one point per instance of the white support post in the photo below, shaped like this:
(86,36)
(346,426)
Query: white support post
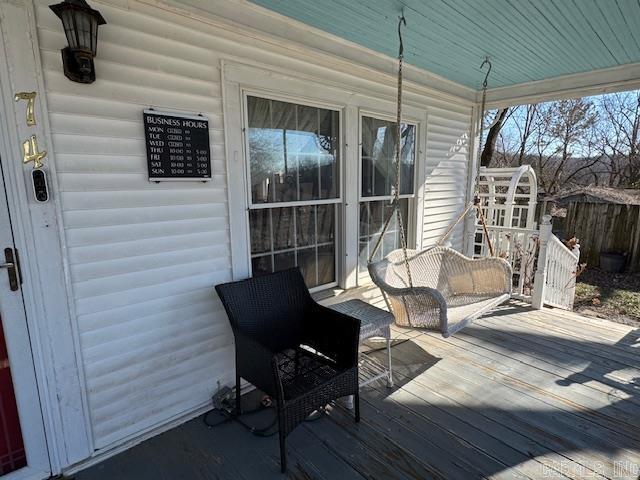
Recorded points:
(349,277)
(541,272)
(471,225)
(474,138)
(531,214)
(576,251)
(508,217)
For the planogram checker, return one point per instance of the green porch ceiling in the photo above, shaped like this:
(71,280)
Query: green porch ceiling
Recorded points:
(527,40)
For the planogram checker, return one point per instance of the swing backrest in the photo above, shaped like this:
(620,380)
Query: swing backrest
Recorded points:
(428,269)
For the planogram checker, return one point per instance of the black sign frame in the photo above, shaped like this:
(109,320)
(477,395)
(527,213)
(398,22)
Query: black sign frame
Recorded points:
(178,146)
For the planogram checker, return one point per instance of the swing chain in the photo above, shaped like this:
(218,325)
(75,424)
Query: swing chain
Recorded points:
(403,240)
(486,77)
(476,204)
(395,207)
(485,84)
(401,21)
(477,201)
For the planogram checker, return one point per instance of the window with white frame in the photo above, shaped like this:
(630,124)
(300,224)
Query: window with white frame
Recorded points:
(294,166)
(377,184)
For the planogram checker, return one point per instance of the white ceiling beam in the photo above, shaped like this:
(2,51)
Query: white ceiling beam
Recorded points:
(607,80)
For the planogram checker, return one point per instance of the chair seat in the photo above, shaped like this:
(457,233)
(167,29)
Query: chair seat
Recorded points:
(312,371)
(374,321)
(466,308)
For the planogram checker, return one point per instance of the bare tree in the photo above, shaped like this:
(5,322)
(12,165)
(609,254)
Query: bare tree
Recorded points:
(526,128)
(580,141)
(619,138)
(492,136)
(572,124)
(543,144)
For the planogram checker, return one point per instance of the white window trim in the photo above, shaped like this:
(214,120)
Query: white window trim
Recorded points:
(239,79)
(247,92)
(296,203)
(414,198)
(389,118)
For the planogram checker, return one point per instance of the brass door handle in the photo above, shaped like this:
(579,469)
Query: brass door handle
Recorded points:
(12,271)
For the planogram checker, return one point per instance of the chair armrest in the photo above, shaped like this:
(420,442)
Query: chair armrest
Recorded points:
(334,334)
(254,363)
(425,302)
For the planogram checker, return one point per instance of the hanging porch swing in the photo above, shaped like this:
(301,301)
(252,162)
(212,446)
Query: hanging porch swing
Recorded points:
(438,288)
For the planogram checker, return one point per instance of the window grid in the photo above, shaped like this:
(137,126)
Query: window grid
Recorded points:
(303,142)
(368,235)
(298,247)
(377,157)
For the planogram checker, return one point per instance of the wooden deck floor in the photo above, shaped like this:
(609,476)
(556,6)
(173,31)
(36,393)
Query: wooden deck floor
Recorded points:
(520,394)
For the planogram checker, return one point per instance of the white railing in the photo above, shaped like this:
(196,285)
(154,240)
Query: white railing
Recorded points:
(544,269)
(555,278)
(518,246)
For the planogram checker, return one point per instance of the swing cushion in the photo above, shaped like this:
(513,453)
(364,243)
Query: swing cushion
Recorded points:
(449,290)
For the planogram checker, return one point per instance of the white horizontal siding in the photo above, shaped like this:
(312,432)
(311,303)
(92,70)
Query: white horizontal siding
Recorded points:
(143,257)
(447,165)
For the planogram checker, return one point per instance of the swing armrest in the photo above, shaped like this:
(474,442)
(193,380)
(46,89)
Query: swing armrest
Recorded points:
(424,305)
(428,297)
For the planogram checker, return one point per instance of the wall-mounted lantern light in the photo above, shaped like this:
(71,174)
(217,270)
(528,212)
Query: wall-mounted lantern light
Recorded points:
(80,23)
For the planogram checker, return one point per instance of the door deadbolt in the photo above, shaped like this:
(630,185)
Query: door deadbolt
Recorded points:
(11,266)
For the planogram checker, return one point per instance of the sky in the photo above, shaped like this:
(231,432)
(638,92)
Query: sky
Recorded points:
(510,129)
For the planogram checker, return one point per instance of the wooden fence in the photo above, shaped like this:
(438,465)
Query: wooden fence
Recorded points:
(603,227)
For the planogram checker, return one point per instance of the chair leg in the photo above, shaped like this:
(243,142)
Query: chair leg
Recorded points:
(283,446)
(238,399)
(356,401)
(283,454)
(349,402)
(389,371)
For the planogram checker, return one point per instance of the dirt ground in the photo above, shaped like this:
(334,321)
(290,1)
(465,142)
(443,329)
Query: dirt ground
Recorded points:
(609,295)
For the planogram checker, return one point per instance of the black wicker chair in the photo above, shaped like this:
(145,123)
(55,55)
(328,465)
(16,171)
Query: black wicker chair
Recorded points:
(300,353)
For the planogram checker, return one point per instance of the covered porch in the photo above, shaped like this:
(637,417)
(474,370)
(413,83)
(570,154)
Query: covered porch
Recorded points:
(125,336)
(522,393)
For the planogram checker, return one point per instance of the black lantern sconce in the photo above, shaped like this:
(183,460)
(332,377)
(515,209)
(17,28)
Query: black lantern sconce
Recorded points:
(80,23)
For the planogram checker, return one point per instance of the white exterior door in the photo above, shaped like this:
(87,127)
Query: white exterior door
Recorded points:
(23,450)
